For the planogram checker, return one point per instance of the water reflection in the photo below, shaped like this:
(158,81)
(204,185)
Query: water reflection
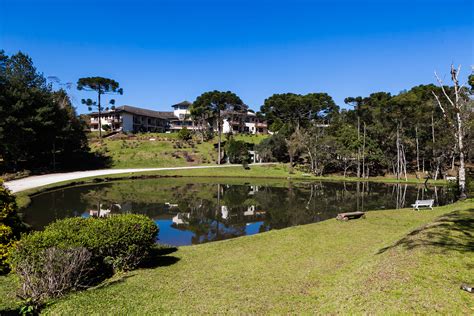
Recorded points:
(191,213)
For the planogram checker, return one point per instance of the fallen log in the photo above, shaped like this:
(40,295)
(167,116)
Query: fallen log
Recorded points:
(350,215)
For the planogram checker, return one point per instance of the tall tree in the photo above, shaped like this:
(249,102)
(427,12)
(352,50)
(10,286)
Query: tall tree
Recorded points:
(297,110)
(213,103)
(101,86)
(37,125)
(455,111)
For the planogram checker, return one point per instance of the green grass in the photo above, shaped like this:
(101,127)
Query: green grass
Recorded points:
(389,263)
(163,151)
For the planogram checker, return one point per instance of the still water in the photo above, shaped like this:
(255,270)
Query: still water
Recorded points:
(193,211)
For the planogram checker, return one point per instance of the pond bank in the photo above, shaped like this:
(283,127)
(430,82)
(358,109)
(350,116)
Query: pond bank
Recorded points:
(263,171)
(392,262)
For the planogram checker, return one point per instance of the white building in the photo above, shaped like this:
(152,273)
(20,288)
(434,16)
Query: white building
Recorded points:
(181,117)
(131,119)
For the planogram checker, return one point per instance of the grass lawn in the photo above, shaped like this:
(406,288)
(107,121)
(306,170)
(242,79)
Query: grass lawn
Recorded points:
(398,261)
(162,150)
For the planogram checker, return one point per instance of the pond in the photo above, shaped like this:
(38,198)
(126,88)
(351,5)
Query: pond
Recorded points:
(196,210)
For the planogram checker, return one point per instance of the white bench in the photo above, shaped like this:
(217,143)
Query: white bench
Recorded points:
(422,203)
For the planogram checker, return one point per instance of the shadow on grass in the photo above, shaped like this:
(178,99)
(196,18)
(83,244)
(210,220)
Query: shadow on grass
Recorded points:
(159,258)
(10,312)
(451,232)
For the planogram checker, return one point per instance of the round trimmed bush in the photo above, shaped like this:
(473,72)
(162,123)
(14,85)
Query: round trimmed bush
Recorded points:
(78,252)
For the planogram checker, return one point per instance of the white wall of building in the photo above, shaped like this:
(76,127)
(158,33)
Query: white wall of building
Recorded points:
(226,127)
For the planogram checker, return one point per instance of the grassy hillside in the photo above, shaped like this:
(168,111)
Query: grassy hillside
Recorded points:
(161,150)
(390,262)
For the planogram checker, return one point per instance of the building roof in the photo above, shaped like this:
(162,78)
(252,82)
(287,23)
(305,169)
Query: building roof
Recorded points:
(184,103)
(145,112)
(139,111)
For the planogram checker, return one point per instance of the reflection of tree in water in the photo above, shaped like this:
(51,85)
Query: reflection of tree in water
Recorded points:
(218,211)
(216,218)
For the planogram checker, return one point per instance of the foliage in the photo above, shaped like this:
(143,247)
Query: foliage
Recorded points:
(273,148)
(184,134)
(101,86)
(297,110)
(10,227)
(210,105)
(120,240)
(385,283)
(371,137)
(78,252)
(237,151)
(39,126)
(53,272)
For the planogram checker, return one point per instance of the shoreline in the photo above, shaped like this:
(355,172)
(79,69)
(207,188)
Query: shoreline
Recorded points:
(257,172)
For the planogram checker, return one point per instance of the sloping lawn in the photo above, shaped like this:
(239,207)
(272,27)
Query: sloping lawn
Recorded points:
(372,265)
(162,150)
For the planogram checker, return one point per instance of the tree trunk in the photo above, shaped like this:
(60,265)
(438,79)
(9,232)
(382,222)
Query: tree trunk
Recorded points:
(417,150)
(398,152)
(100,118)
(219,137)
(462,170)
(363,155)
(433,138)
(311,160)
(358,147)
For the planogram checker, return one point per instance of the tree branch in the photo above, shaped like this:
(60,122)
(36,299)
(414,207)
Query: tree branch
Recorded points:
(444,91)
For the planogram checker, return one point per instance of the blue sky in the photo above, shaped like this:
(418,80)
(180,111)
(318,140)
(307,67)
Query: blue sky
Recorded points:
(163,52)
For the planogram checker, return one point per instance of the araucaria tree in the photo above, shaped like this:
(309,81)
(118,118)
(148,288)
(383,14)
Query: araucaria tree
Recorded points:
(101,86)
(212,104)
(454,104)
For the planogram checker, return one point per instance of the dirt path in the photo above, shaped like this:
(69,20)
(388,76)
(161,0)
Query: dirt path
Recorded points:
(38,181)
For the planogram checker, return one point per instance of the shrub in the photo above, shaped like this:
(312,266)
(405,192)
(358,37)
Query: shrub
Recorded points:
(52,273)
(237,151)
(10,226)
(80,252)
(184,134)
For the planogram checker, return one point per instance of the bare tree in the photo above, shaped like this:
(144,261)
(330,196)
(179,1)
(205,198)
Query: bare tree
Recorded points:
(454,111)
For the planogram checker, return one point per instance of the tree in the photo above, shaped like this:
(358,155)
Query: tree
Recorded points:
(297,110)
(455,111)
(237,151)
(102,86)
(319,146)
(184,134)
(212,104)
(38,126)
(273,148)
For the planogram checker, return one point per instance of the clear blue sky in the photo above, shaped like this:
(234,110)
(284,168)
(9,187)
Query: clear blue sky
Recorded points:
(163,52)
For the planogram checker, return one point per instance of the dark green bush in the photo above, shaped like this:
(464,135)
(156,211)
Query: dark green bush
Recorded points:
(120,242)
(184,134)
(11,226)
(237,151)
(79,252)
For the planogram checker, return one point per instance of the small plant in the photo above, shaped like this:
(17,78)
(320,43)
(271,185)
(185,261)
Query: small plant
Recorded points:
(184,134)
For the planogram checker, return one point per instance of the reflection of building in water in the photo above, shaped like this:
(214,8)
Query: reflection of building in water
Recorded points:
(181,218)
(253,189)
(224,212)
(103,212)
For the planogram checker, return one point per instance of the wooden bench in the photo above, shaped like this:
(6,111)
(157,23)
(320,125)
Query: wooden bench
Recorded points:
(348,216)
(422,203)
